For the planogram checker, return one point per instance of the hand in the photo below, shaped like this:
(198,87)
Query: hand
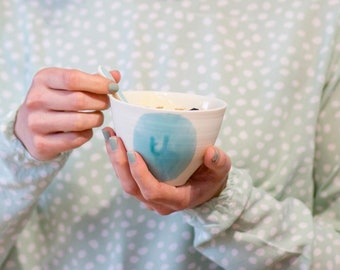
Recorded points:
(60,110)
(207,182)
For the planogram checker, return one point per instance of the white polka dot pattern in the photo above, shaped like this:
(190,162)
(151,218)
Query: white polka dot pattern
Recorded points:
(277,64)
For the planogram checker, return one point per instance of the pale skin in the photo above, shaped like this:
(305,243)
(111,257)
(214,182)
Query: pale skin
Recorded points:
(207,182)
(60,111)
(62,108)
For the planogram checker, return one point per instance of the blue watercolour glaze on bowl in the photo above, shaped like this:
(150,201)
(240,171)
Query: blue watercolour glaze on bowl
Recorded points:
(166,151)
(160,126)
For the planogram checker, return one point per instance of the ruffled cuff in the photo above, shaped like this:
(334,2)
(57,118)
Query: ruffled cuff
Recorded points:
(218,214)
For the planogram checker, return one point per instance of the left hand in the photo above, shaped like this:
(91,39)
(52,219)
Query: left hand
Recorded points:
(206,183)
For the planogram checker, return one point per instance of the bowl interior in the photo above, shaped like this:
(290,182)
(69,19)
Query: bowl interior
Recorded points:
(173,101)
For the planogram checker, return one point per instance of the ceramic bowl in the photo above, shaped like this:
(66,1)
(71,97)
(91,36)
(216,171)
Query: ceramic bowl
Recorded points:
(171,130)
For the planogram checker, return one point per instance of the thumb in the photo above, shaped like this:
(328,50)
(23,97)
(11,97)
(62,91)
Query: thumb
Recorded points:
(217,160)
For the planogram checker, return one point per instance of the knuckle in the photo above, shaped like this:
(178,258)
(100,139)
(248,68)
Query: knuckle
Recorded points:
(35,100)
(73,140)
(120,162)
(80,122)
(78,100)
(87,121)
(99,119)
(81,137)
(71,78)
(37,96)
(151,196)
(39,77)
(181,205)
(34,123)
(40,146)
(130,189)
(77,124)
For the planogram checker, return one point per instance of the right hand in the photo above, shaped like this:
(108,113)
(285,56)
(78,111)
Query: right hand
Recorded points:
(60,111)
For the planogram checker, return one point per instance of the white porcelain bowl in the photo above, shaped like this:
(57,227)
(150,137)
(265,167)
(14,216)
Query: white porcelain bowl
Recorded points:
(170,136)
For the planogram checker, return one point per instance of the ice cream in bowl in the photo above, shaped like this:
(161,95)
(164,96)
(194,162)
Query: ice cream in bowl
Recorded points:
(171,130)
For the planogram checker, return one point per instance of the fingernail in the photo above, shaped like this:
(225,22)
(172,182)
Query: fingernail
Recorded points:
(106,134)
(131,157)
(215,157)
(113,87)
(113,143)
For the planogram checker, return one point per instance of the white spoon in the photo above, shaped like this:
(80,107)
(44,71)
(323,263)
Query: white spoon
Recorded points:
(103,72)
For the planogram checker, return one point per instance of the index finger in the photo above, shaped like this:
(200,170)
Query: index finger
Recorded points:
(75,80)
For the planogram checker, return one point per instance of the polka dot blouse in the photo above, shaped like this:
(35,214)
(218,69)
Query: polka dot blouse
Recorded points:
(276,64)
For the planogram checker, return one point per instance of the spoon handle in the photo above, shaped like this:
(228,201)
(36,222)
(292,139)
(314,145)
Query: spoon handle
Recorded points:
(105,73)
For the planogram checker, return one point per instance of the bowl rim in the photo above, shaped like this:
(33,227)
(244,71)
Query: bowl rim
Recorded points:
(222,104)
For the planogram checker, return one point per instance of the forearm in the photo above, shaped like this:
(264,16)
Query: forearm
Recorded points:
(22,180)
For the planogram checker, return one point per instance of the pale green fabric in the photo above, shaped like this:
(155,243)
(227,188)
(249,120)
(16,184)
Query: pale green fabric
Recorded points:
(276,63)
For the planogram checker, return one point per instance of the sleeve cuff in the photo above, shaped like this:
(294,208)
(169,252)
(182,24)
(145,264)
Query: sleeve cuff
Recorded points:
(220,213)
(16,157)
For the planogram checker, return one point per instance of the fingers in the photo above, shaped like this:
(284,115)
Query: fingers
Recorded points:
(117,154)
(74,80)
(211,178)
(49,146)
(62,100)
(62,103)
(121,163)
(48,122)
(217,161)
(70,89)
(206,183)
(151,189)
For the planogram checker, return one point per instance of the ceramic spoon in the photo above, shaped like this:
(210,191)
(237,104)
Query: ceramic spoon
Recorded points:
(105,73)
